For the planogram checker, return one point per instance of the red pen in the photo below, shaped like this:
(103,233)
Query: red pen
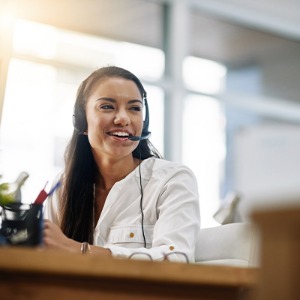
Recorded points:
(42,196)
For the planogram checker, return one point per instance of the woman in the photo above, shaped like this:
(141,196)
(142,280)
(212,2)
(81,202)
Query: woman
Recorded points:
(118,197)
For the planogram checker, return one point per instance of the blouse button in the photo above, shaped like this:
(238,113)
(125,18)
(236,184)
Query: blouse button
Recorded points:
(131,234)
(171,248)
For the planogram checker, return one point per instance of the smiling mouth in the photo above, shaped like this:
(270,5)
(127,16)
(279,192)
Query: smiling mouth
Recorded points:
(119,134)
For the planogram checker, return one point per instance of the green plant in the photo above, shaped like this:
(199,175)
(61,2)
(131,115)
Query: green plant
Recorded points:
(5,198)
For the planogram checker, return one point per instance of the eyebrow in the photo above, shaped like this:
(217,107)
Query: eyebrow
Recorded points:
(114,100)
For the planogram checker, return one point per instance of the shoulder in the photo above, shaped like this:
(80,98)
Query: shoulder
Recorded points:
(156,167)
(159,163)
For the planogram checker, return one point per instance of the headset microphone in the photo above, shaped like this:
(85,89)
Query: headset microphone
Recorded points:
(139,138)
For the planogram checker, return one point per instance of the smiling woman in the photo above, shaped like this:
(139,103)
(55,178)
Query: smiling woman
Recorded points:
(118,194)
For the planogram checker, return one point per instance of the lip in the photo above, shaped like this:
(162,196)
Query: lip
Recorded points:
(113,133)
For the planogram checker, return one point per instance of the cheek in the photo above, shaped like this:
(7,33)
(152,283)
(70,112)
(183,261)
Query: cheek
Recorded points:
(91,123)
(139,123)
(94,121)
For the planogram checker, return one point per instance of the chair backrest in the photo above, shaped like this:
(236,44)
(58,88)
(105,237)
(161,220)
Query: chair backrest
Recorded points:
(234,244)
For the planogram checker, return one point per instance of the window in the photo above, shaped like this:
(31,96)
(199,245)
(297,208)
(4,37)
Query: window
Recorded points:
(204,150)
(204,76)
(204,132)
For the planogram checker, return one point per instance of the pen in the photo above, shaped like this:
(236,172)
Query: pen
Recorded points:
(42,196)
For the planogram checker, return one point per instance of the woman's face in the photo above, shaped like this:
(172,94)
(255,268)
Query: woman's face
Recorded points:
(114,111)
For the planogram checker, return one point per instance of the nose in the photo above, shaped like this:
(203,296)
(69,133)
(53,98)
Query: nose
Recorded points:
(122,119)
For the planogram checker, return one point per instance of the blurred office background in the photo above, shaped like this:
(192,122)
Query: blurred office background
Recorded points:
(222,78)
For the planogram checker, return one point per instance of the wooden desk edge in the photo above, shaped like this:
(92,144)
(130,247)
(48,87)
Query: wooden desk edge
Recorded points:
(286,214)
(61,263)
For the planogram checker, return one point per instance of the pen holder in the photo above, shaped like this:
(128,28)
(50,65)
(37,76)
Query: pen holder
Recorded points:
(22,224)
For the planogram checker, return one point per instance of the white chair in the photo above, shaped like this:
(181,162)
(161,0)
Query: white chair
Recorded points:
(234,244)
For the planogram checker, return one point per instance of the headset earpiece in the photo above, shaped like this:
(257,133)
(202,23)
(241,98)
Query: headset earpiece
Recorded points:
(145,130)
(79,122)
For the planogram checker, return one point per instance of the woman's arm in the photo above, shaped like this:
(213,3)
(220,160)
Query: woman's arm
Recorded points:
(55,239)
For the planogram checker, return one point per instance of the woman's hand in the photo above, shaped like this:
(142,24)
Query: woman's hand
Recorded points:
(54,238)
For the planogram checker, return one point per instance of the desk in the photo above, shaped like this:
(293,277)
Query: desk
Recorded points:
(280,253)
(44,274)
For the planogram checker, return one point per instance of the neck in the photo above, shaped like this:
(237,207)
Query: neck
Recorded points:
(113,171)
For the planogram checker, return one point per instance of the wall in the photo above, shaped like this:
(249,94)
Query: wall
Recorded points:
(267,166)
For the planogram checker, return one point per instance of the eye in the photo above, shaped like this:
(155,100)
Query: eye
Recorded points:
(106,106)
(136,108)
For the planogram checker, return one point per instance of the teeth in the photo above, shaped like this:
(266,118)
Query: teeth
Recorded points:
(120,133)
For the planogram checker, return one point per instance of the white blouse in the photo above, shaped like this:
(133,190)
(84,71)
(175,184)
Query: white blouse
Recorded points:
(170,206)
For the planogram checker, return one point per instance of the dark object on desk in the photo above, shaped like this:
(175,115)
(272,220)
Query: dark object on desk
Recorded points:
(22,224)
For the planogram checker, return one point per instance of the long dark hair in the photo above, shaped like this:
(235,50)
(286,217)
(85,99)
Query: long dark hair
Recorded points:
(81,172)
